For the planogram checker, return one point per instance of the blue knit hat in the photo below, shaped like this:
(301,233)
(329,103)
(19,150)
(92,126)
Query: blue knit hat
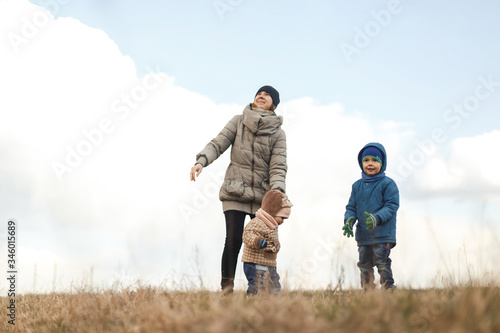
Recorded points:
(275,95)
(373,152)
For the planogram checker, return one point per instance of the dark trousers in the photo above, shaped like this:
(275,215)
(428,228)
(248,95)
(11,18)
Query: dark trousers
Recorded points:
(261,280)
(235,222)
(375,255)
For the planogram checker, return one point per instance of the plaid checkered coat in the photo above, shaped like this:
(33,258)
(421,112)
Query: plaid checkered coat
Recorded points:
(255,230)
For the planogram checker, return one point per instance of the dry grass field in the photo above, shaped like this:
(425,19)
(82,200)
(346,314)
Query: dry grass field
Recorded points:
(150,309)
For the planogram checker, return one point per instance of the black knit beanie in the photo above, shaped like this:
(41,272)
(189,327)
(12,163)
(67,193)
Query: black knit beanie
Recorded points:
(275,95)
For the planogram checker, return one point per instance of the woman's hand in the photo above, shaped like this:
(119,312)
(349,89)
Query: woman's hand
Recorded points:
(195,171)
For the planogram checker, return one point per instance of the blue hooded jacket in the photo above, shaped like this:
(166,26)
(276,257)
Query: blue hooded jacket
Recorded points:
(379,196)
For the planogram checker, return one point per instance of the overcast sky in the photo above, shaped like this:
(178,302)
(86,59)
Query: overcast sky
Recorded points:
(104,105)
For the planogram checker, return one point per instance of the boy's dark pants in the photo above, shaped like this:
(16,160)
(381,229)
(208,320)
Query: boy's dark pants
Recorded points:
(375,255)
(260,280)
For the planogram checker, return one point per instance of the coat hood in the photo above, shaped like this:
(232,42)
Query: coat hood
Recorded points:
(259,125)
(376,145)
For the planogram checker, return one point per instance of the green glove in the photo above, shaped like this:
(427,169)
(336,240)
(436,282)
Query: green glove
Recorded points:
(348,227)
(371,221)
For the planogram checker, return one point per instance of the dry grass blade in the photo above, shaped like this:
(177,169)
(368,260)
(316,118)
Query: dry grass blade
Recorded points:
(149,309)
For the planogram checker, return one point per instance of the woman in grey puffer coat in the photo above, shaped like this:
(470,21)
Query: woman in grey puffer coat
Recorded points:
(258,164)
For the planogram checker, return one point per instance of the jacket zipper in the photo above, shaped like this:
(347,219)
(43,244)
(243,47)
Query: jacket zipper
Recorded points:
(253,165)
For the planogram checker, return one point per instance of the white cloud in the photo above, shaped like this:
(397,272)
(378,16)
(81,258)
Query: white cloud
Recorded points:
(478,158)
(469,170)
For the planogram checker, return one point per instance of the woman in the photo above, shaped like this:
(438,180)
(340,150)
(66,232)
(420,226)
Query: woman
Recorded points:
(258,164)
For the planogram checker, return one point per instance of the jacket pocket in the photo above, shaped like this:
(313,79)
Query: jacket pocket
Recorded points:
(233,182)
(270,255)
(234,187)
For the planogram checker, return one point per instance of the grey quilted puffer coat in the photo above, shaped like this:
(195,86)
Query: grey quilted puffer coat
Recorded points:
(258,156)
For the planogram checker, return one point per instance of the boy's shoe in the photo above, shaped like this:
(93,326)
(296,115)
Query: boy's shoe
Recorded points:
(368,286)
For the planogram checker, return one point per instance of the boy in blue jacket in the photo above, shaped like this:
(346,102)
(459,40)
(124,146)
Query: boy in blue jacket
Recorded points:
(374,202)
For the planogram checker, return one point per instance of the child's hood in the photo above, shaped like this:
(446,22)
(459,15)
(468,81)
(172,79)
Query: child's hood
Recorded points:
(376,145)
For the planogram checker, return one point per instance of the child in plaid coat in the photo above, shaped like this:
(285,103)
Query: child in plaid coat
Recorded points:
(260,238)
